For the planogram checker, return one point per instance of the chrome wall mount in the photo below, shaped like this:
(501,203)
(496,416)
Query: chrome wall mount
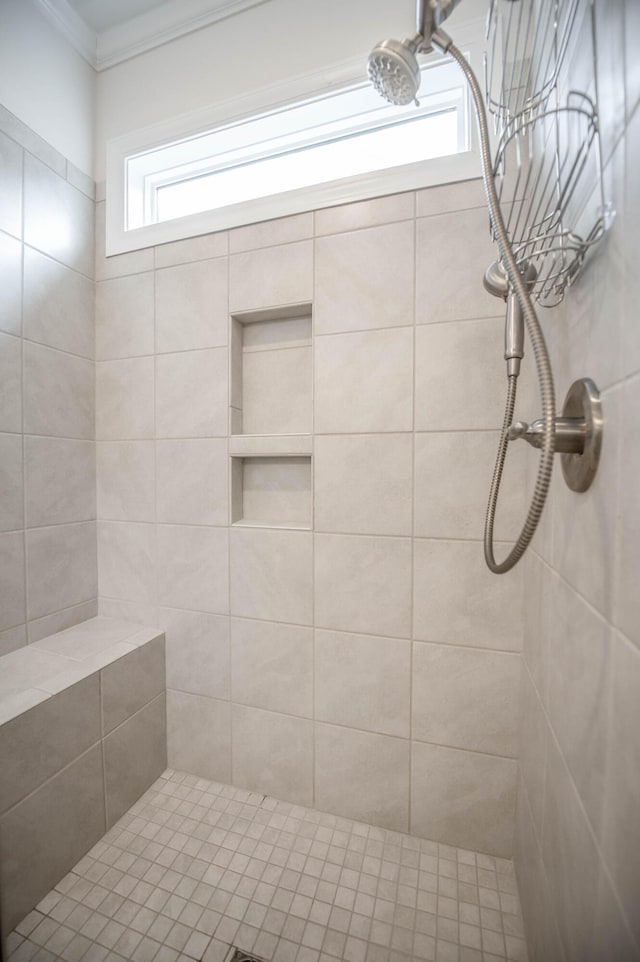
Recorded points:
(578,434)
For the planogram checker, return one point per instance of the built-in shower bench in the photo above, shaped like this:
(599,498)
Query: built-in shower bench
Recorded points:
(82,736)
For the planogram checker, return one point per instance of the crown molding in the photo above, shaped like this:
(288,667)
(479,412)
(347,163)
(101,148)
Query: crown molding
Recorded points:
(64,18)
(170,20)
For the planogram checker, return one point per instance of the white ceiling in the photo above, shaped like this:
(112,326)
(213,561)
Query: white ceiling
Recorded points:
(102,14)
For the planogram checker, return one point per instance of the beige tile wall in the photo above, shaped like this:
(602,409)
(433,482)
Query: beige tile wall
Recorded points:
(368,666)
(578,821)
(48,572)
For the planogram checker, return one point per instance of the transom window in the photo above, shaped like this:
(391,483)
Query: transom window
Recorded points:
(340,145)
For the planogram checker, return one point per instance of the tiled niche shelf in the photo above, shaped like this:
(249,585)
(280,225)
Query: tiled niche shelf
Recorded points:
(271,415)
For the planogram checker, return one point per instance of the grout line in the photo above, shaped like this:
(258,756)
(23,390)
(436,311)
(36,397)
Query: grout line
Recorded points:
(56,260)
(60,771)
(23,396)
(413,511)
(340,631)
(314,787)
(231,322)
(348,728)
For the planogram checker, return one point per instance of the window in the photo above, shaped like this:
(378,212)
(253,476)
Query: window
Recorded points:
(341,145)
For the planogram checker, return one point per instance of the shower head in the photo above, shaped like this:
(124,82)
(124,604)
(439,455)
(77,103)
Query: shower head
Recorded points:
(393,66)
(393,69)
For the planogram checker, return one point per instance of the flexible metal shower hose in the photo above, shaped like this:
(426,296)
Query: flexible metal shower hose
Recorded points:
(543,366)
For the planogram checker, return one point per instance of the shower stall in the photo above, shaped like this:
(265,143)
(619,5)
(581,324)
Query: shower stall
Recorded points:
(261,695)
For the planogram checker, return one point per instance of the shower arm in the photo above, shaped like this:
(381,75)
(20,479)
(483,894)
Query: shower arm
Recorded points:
(430,15)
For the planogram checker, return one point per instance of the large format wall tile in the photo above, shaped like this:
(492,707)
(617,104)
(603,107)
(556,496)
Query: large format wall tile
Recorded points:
(11,186)
(10,384)
(127,685)
(11,281)
(58,305)
(61,567)
(445,401)
(190,249)
(627,600)
(191,306)
(621,835)
(199,735)
(60,480)
(466,698)
(363,682)
(365,213)
(453,251)
(364,279)
(59,393)
(271,575)
(11,483)
(47,390)
(37,850)
(363,584)
(126,480)
(463,798)
(273,754)
(362,775)
(271,277)
(193,568)
(127,561)
(355,475)
(458,601)
(124,317)
(283,230)
(272,666)
(191,394)
(191,481)
(197,651)
(581,647)
(569,852)
(125,399)
(58,219)
(63,727)
(135,754)
(363,382)
(453,471)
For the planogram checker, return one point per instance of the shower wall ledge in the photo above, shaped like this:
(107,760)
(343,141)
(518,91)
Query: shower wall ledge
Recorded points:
(82,736)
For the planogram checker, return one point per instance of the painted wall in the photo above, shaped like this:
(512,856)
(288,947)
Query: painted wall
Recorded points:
(48,572)
(578,825)
(46,83)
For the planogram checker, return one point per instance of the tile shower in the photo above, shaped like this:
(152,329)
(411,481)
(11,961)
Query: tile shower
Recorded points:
(333,641)
(290,662)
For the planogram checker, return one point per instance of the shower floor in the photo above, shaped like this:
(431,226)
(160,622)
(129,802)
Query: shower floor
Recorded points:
(196,869)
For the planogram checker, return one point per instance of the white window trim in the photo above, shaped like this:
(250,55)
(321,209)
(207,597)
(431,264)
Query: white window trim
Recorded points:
(439,170)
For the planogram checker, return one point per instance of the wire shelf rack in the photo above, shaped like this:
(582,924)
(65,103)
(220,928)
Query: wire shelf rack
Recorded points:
(548,165)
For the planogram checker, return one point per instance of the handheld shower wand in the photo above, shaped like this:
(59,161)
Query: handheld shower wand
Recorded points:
(394,71)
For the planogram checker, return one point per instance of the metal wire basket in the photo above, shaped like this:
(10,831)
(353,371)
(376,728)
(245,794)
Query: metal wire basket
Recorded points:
(528,41)
(548,165)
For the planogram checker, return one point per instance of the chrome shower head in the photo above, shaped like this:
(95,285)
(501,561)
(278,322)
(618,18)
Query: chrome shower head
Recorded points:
(393,66)
(393,69)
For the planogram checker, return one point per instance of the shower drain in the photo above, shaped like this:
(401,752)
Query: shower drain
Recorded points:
(239,956)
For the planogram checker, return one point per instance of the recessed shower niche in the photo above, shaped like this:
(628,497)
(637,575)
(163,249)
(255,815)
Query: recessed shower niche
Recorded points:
(271,417)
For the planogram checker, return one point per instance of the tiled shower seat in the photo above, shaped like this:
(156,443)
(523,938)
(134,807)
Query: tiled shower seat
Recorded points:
(82,736)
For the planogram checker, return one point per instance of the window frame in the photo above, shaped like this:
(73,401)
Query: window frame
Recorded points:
(438,170)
